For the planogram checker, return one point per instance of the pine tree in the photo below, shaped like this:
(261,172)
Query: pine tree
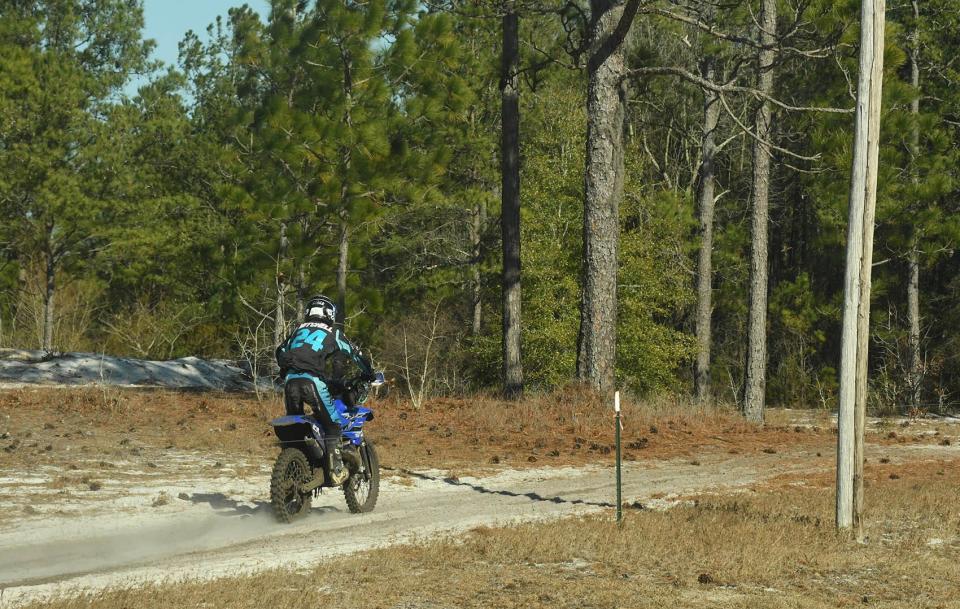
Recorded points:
(62,62)
(606,106)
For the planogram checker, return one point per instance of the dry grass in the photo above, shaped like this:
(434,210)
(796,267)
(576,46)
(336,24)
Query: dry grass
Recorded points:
(565,428)
(62,426)
(47,425)
(765,548)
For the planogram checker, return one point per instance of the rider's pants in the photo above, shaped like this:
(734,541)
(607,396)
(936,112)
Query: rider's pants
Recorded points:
(300,389)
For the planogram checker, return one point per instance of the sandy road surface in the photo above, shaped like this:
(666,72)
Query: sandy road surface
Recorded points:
(211,526)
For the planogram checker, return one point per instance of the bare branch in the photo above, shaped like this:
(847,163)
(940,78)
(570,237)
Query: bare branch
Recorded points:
(710,29)
(724,143)
(753,135)
(712,86)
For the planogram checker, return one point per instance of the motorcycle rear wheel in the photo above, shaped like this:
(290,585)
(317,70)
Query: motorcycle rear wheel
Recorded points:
(290,471)
(362,489)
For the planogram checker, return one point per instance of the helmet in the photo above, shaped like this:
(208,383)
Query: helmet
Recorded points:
(322,308)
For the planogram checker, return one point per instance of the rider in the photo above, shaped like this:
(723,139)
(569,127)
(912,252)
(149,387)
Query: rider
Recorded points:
(313,361)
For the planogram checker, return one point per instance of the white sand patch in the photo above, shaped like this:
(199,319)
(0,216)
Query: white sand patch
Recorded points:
(19,368)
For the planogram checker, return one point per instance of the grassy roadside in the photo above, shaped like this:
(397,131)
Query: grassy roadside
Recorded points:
(773,546)
(61,426)
(47,425)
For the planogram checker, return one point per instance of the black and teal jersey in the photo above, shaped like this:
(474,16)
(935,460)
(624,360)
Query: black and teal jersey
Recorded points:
(319,349)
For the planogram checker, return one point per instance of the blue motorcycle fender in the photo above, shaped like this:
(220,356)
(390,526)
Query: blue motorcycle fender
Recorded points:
(298,420)
(293,419)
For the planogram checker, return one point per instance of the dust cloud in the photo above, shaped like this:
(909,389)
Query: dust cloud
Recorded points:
(77,553)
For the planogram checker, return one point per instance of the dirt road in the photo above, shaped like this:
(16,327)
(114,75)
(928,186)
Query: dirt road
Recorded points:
(223,526)
(190,524)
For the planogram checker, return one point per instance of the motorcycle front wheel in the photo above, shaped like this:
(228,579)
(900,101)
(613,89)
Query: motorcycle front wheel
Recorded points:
(361,489)
(290,471)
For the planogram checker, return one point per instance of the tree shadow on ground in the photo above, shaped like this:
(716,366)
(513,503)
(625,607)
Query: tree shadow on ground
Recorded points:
(532,496)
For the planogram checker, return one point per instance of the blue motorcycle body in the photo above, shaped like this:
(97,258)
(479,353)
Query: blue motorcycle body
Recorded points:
(301,470)
(298,430)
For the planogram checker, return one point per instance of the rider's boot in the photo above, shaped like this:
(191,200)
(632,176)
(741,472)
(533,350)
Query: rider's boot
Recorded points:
(338,473)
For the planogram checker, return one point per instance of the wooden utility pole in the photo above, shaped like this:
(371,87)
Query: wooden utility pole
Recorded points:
(856,301)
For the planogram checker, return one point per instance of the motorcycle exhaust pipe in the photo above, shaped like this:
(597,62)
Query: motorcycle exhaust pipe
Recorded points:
(313,447)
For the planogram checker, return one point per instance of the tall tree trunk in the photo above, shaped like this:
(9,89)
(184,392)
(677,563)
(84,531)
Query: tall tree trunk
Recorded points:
(302,286)
(21,290)
(914,372)
(48,302)
(705,204)
(279,316)
(476,294)
(603,189)
(510,206)
(343,260)
(757,321)
(346,157)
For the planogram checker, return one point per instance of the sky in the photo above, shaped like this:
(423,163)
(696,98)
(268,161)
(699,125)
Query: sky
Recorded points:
(166,21)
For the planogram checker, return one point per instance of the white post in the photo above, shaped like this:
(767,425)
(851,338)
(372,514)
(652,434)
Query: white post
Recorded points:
(856,302)
(619,426)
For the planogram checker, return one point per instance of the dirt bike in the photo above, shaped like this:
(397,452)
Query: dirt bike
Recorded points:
(301,472)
